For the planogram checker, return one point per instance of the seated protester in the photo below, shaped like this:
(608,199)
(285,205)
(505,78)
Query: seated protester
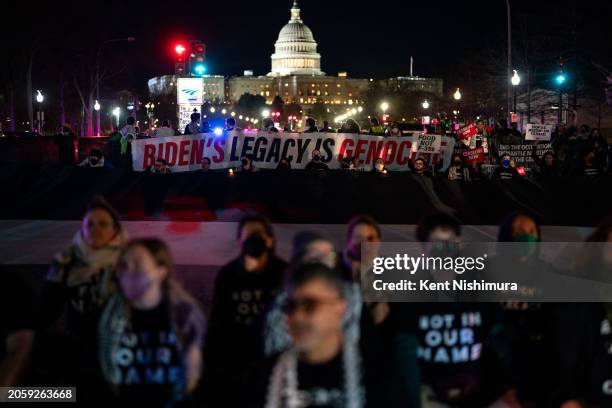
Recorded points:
(95,160)
(267,125)
(457,170)
(77,286)
(375,128)
(205,164)
(151,331)
(164,130)
(316,164)
(505,171)
(326,128)
(230,125)
(379,166)
(283,165)
(547,165)
(246,165)
(160,167)
(477,173)
(419,168)
(17,314)
(452,338)
(243,290)
(311,126)
(324,367)
(588,167)
(193,127)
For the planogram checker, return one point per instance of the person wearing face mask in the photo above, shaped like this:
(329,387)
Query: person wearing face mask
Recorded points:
(546,366)
(394,130)
(457,170)
(547,166)
(454,372)
(151,331)
(79,282)
(505,171)
(95,160)
(243,290)
(316,165)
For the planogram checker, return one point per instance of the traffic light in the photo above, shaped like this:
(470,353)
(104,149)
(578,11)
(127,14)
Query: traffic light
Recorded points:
(179,59)
(560,78)
(197,58)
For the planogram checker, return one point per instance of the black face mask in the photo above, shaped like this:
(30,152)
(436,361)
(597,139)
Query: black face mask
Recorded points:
(94,160)
(245,162)
(254,246)
(316,158)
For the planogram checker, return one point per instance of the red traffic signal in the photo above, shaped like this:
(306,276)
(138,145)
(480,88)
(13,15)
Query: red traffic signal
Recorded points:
(179,49)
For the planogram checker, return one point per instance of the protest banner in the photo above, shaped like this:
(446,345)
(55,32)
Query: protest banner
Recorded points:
(521,153)
(473,156)
(538,132)
(185,153)
(467,132)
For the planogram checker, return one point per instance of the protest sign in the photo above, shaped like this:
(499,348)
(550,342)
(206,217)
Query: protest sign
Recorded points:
(473,156)
(538,132)
(427,143)
(467,132)
(521,153)
(185,153)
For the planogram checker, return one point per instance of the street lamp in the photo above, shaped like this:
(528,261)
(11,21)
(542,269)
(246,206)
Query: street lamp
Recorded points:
(150,106)
(457,95)
(117,113)
(265,113)
(425,104)
(515,80)
(39,98)
(384,106)
(97,105)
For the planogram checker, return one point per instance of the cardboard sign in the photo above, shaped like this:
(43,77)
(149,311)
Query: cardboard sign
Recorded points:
(538,132)
(427,143)
(185,153)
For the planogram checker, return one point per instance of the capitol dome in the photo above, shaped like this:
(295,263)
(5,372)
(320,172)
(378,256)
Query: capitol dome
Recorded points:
(295,50)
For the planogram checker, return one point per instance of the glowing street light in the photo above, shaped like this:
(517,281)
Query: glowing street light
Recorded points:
(233,114)
(39,97)
(97,105)
(516,79)
(265,113)
(223,111)
(212,109)
(457,95)
(425,104)
(384,106)
(117,113)
(360,109)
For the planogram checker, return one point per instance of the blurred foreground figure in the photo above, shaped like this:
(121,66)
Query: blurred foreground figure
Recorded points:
(324,367)
(151,331)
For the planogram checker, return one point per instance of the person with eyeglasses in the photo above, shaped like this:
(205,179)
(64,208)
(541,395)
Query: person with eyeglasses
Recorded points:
(324,366)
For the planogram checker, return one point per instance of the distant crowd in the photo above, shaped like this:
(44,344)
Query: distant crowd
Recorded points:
(574,151)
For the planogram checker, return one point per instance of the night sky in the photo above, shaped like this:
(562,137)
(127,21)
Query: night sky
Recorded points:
(365,39)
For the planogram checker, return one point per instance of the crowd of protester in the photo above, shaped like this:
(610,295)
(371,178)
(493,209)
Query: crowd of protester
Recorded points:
(574,151)
(114,321)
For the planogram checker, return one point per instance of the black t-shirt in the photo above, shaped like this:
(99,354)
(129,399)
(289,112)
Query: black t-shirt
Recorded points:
(17,305)
(451,340)
(148,359)
(239,302)
(322,385)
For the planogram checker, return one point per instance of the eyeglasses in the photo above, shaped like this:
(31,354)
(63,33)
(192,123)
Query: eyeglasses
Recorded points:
(309,305)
